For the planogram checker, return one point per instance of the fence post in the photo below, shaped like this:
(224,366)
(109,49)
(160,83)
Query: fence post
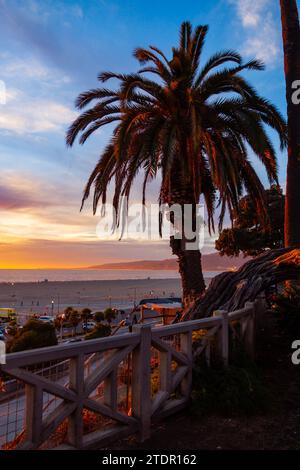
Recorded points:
(33,413)
(260,312)
(141,380)
(111,390)
(76,383)
(223,336)
(187,349)
(250,331)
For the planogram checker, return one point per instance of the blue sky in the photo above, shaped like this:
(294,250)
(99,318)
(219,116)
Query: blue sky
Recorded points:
(51,50)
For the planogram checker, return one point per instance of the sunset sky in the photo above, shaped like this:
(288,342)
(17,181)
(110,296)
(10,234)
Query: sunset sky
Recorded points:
(52,50)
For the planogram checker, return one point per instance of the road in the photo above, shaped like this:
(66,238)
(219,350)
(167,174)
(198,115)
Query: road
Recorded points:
(12,412)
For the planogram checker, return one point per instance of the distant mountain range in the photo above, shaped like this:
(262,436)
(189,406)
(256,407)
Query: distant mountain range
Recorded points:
(211,262)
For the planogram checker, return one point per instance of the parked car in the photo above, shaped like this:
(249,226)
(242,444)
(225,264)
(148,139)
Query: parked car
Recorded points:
(2,337)
(90,325)
(46,319)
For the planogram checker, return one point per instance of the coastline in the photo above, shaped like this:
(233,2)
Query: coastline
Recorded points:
(54,296)
(37,276)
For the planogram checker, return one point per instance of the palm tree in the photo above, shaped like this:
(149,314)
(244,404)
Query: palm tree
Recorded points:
(74,319)
(192,126)
(85,315)
(291,45)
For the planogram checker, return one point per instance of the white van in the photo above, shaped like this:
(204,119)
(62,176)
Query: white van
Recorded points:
(46,319)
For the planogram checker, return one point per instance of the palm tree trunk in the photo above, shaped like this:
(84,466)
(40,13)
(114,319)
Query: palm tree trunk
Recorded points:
(291,45)
(190,270)
(189,260)
(230,290)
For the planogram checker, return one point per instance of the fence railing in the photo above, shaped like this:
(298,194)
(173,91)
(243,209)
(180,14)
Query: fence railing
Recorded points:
(131,380)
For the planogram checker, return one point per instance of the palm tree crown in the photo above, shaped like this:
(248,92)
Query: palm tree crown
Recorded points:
(192,124)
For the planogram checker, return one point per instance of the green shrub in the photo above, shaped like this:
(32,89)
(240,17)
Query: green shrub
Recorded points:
(287,306)
(34,334)
(12,328)
(99,331)
(85,314)
(109,314)
(74,320)
(99,317)
(236,389)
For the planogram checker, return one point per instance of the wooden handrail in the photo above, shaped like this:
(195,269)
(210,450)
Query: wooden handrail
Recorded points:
(184,327)
(173,343)
(65,351)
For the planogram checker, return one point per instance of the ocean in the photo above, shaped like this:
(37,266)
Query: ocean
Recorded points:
(40,275)
(26,291)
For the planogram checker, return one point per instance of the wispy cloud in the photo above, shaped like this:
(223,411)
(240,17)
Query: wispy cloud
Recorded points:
(30,208)
(23,191)
(28,115)
(265,44)
(250,11)
(262,35)
(30,23)
(12,198)
(30,68)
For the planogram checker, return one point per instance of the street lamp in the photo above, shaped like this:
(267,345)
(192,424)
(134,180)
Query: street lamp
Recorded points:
(52,307)
(134,298)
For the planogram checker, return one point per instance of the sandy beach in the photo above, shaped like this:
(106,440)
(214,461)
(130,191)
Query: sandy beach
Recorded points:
(53,297)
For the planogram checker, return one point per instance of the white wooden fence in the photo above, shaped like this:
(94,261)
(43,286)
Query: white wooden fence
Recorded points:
(153,367)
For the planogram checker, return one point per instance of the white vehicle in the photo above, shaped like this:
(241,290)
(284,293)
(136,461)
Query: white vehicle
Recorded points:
(90,325)
(46,319)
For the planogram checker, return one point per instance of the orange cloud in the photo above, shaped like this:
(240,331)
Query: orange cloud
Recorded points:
(34,254)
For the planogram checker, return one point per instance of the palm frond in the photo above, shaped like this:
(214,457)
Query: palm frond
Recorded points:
(195,127)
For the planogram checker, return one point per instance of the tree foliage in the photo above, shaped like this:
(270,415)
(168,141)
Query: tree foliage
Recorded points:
(249,234)
(99,317)
(71,318)
(99,331)
(287,305)
(34,334)
(68,312)
(198,120)
(109,314)
(85,314)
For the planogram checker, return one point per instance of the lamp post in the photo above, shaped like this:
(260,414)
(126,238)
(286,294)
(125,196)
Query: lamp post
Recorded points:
(52,308)
(134,296)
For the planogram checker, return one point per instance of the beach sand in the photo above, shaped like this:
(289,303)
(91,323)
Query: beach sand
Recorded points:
(36,297)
